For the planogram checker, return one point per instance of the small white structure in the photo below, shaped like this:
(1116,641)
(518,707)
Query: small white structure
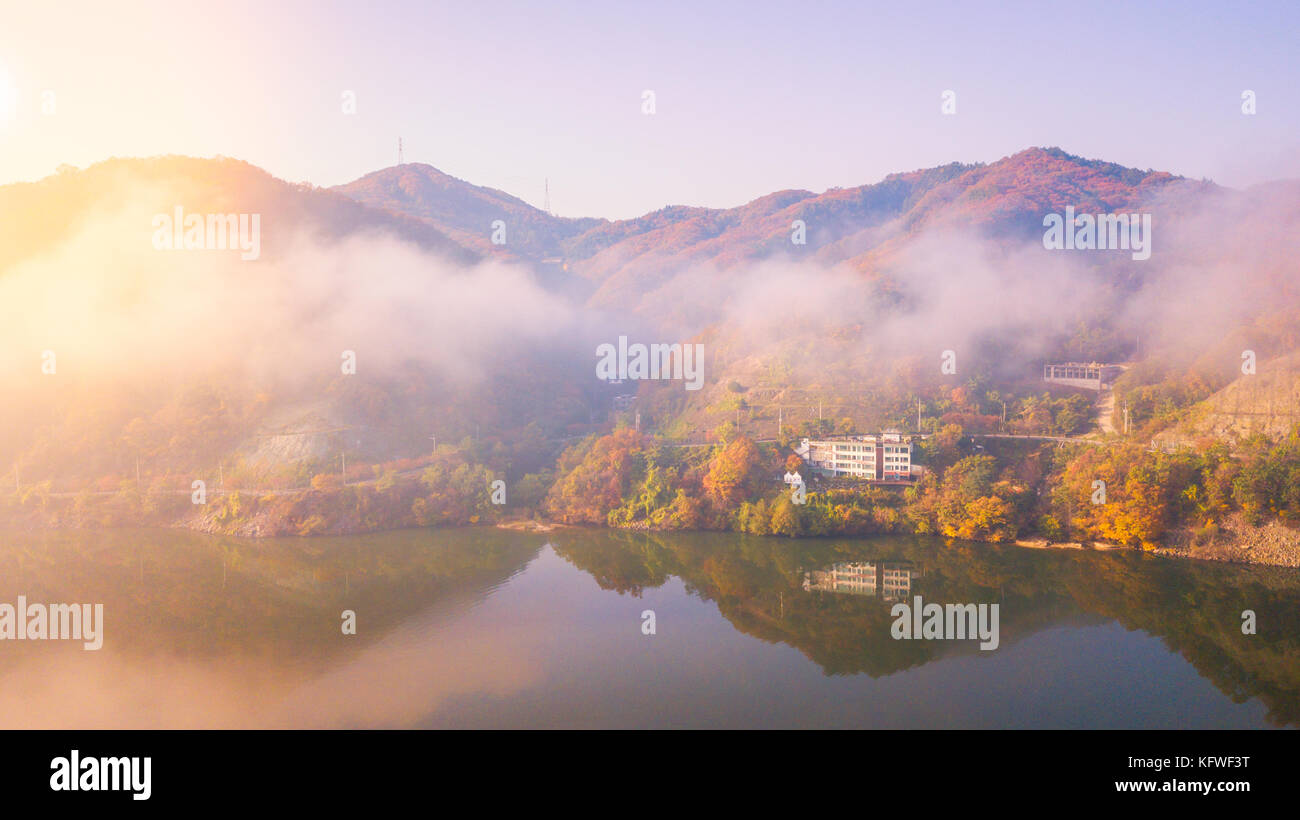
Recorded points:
(1089,375)
(793,478)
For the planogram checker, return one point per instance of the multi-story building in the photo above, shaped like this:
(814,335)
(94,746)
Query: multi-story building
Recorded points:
(886,457)
(891,580)
(860,578)
(896,580)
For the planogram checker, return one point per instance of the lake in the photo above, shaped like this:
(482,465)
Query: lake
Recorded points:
(480,627)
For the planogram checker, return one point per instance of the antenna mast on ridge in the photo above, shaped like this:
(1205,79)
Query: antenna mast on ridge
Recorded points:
(399,150)
(547,205)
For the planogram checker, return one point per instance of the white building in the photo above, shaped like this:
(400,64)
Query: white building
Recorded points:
(858,578)
(896,580)
(891,580)
(886,457)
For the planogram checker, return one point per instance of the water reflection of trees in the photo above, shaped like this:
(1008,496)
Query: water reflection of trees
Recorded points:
(758,584)
(206,595)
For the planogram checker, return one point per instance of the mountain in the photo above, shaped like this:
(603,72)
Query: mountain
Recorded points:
(40,215)
(865,227)
(191,359)
(465,211)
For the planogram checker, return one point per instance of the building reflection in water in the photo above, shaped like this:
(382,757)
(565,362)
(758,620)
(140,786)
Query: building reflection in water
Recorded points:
(890,580)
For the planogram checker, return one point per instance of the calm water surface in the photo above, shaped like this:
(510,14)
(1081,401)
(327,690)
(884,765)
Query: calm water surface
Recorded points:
(490,628)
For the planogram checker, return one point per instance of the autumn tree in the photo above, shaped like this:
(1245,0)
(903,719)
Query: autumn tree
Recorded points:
(599,473)
(734,474)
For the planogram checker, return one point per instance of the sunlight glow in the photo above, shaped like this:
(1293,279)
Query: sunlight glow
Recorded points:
(8,97)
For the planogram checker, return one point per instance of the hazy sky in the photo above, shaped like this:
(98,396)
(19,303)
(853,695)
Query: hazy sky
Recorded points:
(750,97)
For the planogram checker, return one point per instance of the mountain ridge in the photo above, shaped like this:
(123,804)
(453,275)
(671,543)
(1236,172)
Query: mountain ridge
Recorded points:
(862,226)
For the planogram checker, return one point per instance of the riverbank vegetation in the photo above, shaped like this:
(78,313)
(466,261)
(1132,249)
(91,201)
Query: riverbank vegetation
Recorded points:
(999,491)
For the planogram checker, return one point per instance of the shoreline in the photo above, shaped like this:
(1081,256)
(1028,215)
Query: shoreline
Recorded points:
(1271,544)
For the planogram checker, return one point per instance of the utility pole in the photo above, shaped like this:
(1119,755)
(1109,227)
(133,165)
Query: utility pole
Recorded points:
(345,468)
(780,421)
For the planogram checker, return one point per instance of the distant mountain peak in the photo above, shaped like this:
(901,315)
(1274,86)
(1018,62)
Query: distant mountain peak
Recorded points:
(864,226)
(464,210)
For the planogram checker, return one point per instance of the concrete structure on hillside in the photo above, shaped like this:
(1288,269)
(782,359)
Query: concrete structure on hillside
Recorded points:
(1090,376)
(884,457)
